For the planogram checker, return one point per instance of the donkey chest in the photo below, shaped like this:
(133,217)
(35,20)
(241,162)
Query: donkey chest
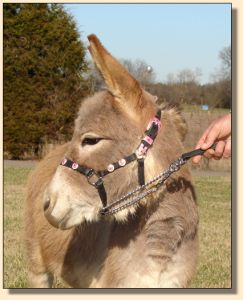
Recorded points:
(123,265)
(136,268)
(131,266)
(123,269)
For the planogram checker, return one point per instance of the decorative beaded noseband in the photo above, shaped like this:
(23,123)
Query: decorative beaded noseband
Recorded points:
(95,178)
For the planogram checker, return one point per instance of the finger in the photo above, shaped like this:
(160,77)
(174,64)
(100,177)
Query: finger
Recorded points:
(219,150)
(200,142)
(209,153)
(196,159)
(227,149)
(203,137)
(211,137)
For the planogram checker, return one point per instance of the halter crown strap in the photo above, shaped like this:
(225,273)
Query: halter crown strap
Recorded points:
(148,140)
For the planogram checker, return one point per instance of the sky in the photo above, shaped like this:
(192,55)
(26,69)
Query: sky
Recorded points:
(168,37)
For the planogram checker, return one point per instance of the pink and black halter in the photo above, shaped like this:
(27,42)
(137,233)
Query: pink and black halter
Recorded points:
(95,178)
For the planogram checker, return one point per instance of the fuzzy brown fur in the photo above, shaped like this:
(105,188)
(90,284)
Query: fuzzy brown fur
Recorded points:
(151,245)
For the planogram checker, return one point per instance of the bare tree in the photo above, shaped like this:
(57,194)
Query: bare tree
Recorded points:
(140,70)
(225,57)
(185,76)
(96,80)
(185,86)
(222,79)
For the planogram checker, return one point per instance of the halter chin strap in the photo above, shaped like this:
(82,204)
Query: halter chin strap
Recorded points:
(95,178)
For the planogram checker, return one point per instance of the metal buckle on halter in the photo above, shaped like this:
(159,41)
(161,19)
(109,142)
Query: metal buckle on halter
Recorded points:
(140,155)
(93,178)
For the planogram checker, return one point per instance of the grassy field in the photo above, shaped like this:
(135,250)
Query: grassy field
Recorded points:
(198,109)
(213,193)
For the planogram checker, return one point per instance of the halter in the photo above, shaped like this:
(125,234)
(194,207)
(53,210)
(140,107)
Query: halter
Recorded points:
(95,178)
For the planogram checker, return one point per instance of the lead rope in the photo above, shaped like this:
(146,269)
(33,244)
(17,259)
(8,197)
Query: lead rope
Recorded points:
(141,192)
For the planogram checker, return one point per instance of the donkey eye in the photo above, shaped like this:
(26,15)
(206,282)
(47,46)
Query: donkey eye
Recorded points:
(90,141)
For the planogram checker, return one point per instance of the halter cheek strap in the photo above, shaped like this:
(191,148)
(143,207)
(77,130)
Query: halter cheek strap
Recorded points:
(95,178)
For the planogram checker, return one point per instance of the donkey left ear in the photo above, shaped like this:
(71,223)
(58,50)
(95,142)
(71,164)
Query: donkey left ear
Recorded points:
(120,83)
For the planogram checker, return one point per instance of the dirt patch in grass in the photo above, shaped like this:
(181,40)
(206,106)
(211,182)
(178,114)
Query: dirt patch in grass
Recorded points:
(20,163)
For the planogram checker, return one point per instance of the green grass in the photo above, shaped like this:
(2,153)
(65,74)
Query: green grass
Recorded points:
(14,259)
(214,270)
(213,193)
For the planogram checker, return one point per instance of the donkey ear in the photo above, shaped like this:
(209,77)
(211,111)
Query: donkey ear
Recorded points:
(118,80)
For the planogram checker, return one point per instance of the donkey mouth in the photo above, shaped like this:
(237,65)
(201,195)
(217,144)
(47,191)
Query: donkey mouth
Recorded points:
(74,217)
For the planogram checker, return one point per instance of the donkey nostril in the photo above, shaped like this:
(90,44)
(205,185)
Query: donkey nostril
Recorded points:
(47,204)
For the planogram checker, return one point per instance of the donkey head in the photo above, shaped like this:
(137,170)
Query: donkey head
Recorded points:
(109,126)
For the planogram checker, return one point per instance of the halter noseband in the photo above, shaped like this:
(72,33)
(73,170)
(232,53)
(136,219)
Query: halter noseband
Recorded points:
(95,178)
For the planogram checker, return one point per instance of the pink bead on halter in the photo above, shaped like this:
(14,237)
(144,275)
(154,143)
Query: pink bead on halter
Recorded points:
(122,162)
(64,161)
(74,166)
(111,168)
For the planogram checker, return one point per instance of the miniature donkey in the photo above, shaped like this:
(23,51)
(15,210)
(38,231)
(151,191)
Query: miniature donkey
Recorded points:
(152,244)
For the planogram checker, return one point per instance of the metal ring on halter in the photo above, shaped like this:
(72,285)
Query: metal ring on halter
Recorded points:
(93,175)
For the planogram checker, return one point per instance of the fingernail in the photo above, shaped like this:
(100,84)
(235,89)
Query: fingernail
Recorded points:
(204,146)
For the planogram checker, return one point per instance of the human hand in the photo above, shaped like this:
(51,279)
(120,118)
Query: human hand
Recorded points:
(219,131)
